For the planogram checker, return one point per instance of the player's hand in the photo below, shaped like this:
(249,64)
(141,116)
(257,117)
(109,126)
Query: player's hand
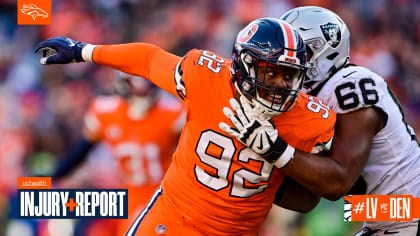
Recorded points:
(60,50)
(256,132)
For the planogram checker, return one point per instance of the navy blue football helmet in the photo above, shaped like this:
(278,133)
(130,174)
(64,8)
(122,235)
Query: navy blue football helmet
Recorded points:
(267,43)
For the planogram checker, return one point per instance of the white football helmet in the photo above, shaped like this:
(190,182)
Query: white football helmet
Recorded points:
(327,38)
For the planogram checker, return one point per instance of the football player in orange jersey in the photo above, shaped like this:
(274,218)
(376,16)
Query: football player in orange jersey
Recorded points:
(127,123)
(217,185)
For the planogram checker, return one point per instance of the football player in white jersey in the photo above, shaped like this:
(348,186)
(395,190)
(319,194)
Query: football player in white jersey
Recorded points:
(374,150)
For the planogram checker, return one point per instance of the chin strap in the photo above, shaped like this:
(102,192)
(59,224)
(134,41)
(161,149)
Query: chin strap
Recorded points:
(264,112)
(232,72)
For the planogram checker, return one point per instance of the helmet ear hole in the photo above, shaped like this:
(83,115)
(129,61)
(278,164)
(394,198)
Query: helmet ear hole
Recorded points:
(309,52)
(248,59)
(247,86)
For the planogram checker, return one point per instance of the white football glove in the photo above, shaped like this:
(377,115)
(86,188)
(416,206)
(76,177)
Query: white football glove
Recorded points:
(256,132)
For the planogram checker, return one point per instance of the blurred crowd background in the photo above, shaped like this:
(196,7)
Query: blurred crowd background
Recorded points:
(42,107)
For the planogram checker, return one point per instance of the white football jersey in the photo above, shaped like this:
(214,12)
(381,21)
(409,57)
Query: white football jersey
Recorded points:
(393,166)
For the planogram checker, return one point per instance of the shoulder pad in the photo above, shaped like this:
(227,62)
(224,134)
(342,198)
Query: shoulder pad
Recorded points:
(204,59)
(310,117)
(351,89)
(185,63)
(194,68)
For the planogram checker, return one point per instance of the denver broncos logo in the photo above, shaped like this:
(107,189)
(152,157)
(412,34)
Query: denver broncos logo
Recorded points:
(247,33)
(347,208)
(33,10)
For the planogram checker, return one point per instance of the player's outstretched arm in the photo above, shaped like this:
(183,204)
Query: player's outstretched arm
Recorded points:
(141,59)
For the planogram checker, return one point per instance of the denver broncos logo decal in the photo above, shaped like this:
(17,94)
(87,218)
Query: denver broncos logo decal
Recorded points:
(347,208)
(247,33)
(33,10)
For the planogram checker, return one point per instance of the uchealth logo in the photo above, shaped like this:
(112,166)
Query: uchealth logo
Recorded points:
(34,12)
(381,208)
(37,200)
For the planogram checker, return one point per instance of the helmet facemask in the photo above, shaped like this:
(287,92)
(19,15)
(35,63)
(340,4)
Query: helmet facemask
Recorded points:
(270,84)
(314,48)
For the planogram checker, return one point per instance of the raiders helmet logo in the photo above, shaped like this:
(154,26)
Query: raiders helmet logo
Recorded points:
(332,33)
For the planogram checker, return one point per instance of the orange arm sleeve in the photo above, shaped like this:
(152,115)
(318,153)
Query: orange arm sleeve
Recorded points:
(145,60)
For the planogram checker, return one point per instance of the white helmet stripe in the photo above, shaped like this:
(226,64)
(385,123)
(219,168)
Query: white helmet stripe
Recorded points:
(289,39)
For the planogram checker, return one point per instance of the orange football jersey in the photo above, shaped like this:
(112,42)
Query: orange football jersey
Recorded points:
(214,185)
(142,147)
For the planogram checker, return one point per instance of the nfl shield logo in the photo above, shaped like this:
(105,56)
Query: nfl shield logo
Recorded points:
(332,33)
(160,229)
